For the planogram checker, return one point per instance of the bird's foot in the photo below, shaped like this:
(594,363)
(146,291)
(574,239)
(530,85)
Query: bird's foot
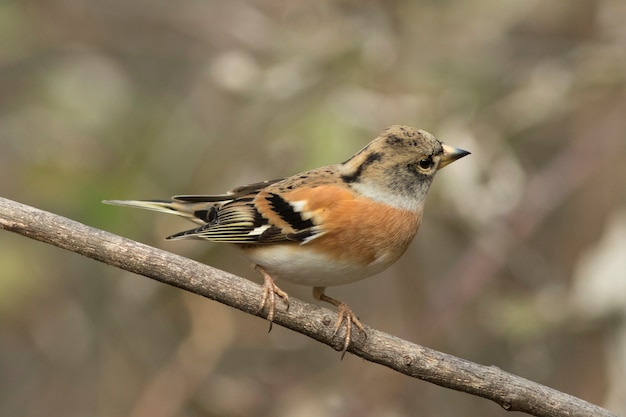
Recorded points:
(346,317)
(349,318)
(270,291)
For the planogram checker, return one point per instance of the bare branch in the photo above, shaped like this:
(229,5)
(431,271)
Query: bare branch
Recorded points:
(510,391)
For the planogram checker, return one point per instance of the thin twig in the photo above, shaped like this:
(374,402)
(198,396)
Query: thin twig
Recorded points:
(510,391)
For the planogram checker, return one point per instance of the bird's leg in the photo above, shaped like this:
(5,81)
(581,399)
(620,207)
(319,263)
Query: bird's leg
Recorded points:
(345,314)
(270,290)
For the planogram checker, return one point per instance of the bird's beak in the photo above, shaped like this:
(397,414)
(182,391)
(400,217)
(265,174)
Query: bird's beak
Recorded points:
(451,154)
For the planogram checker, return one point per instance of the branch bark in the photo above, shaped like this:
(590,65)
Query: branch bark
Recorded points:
(512,392)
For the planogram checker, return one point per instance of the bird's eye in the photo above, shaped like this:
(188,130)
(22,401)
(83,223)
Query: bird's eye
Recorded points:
(425,163)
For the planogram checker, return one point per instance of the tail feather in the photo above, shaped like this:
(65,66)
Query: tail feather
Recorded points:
(199,213)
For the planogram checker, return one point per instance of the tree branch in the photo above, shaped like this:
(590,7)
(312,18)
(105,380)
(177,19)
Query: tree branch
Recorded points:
(509,391)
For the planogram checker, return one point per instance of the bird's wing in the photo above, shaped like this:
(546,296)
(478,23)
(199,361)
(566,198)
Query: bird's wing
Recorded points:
(242,191)
(270,215)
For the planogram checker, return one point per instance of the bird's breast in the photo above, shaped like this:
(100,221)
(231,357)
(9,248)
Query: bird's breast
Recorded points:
(359,240)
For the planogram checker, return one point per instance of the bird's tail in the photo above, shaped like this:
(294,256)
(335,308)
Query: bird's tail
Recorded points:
(197,212)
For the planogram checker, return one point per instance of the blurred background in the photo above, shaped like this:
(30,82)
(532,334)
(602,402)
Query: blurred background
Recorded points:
(520,261)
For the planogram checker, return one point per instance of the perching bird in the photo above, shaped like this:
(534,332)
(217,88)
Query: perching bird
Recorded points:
(328,226)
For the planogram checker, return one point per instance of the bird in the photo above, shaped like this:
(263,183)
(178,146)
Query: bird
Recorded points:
(325,227)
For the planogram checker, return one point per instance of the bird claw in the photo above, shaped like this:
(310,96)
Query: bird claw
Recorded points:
(346,315)
(270,291)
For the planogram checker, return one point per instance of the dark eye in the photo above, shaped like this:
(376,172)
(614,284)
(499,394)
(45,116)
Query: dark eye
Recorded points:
(425,163)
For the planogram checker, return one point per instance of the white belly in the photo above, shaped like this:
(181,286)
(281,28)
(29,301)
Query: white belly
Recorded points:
(305,267)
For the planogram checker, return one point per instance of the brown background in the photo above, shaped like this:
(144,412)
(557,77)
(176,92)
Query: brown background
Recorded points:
(520,262)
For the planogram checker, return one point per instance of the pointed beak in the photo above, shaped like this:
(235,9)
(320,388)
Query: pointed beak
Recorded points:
(451,154)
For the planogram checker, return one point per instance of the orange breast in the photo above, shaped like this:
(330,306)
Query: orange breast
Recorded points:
(357,228)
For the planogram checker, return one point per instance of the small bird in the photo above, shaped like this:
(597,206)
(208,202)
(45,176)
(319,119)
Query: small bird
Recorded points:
(325,227)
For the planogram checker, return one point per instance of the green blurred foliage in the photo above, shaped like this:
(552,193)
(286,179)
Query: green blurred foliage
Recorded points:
(519,263)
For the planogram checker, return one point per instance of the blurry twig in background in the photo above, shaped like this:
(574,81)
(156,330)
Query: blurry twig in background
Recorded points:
(511,392)
(591,149)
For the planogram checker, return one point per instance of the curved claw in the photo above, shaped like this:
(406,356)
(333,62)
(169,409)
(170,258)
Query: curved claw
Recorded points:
(345,314)
(270,291)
